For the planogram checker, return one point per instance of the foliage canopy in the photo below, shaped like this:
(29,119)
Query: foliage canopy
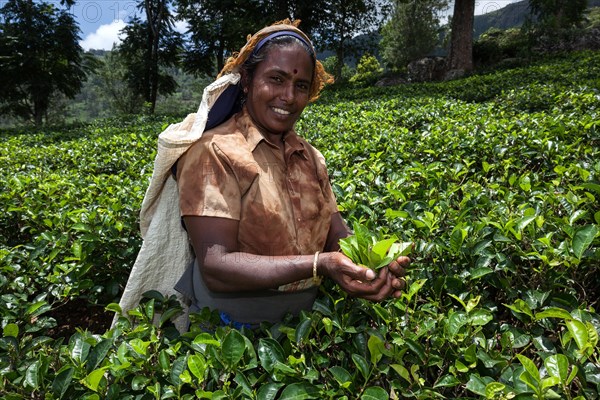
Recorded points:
(151,45)
(558,14)
(412,31)
(40,57)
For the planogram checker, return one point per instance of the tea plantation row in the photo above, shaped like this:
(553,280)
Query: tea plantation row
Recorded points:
(495,178)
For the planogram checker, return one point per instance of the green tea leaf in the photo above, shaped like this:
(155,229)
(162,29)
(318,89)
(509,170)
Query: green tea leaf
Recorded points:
(197,365)
(349,247)
(480,317)
(205,339)
(32,375)
(233,348)
(93,379)
(62,381)
(361,364)
(553,312)
(399,249)
(11,330)
(139,382)
(371,250)
(456,321)
(476,385)
(417,348)
(79,348)
(457,237)
(163,360)
(376,348)
(269,391)
(583,238)
(270,352)
(477,273)
(521,223)
(492,389)
(530,369)
(578,331)
(375,393)
(340,374)
(380,248)
(139,346)
(549,382)
(303,330)
(98,353)
(446,381)
(300,391)
(557,365)
(179,365)
(114,307)
(402,371)
(413,289)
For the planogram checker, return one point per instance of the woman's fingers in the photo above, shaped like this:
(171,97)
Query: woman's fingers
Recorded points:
(399,265)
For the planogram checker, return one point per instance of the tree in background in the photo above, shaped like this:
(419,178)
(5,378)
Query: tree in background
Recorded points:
(113,75)
(412,32)
(367,71)
(330,64)
(460,56)
(40,57)
(216,28)
(342,22)
(150,45)
(308,12)
(553,15)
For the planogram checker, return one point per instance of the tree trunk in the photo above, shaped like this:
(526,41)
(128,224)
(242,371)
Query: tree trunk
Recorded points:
(38,116)
(460,56)
(340,53)
(220,56)
(155,22)
(339,65)
(154,75)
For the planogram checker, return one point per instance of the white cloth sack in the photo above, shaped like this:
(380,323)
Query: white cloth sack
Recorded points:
(165,251)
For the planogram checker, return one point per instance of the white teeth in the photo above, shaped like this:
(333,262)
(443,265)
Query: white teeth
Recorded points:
(281,111)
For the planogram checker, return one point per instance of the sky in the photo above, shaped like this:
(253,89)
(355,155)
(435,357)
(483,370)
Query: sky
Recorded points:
(101,20)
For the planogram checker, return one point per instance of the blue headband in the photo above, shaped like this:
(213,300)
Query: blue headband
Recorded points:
(273,35)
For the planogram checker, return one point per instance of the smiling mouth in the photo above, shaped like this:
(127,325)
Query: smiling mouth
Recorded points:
(280,111)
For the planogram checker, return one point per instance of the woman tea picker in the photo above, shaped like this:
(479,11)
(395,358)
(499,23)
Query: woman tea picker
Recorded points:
(254,198)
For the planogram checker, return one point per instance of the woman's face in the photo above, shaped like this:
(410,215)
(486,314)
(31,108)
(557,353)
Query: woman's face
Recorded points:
(279,89)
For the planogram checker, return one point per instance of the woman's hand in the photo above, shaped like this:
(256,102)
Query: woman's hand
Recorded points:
(363,282)
(397,269)
(356,280)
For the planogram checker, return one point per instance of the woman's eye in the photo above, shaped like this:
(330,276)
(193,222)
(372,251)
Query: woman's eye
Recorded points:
(276,79)
(302,86)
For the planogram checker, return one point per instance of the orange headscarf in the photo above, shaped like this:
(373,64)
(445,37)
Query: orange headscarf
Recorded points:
(233,63)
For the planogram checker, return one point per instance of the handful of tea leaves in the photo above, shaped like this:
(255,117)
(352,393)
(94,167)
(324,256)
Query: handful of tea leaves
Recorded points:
(373,251)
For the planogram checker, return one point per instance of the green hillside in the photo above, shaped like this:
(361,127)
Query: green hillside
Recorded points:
(511,16)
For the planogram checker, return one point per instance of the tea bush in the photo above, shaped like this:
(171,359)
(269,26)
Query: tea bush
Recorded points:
(494,178)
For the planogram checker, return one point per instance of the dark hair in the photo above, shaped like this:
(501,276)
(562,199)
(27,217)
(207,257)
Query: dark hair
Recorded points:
(249,66)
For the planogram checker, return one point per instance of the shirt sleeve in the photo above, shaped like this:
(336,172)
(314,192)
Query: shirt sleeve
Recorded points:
(207,183)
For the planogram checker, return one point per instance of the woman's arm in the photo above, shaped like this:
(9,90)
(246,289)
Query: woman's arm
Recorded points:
(226,269)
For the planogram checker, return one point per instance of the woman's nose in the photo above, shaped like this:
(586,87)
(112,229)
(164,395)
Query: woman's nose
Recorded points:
(287,93)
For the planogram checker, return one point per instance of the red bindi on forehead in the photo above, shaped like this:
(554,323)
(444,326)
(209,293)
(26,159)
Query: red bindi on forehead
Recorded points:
(295,71)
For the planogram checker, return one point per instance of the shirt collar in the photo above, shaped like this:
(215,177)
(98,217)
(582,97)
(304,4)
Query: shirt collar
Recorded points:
(254,137)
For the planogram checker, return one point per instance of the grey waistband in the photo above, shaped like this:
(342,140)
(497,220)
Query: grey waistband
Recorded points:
(244,307)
